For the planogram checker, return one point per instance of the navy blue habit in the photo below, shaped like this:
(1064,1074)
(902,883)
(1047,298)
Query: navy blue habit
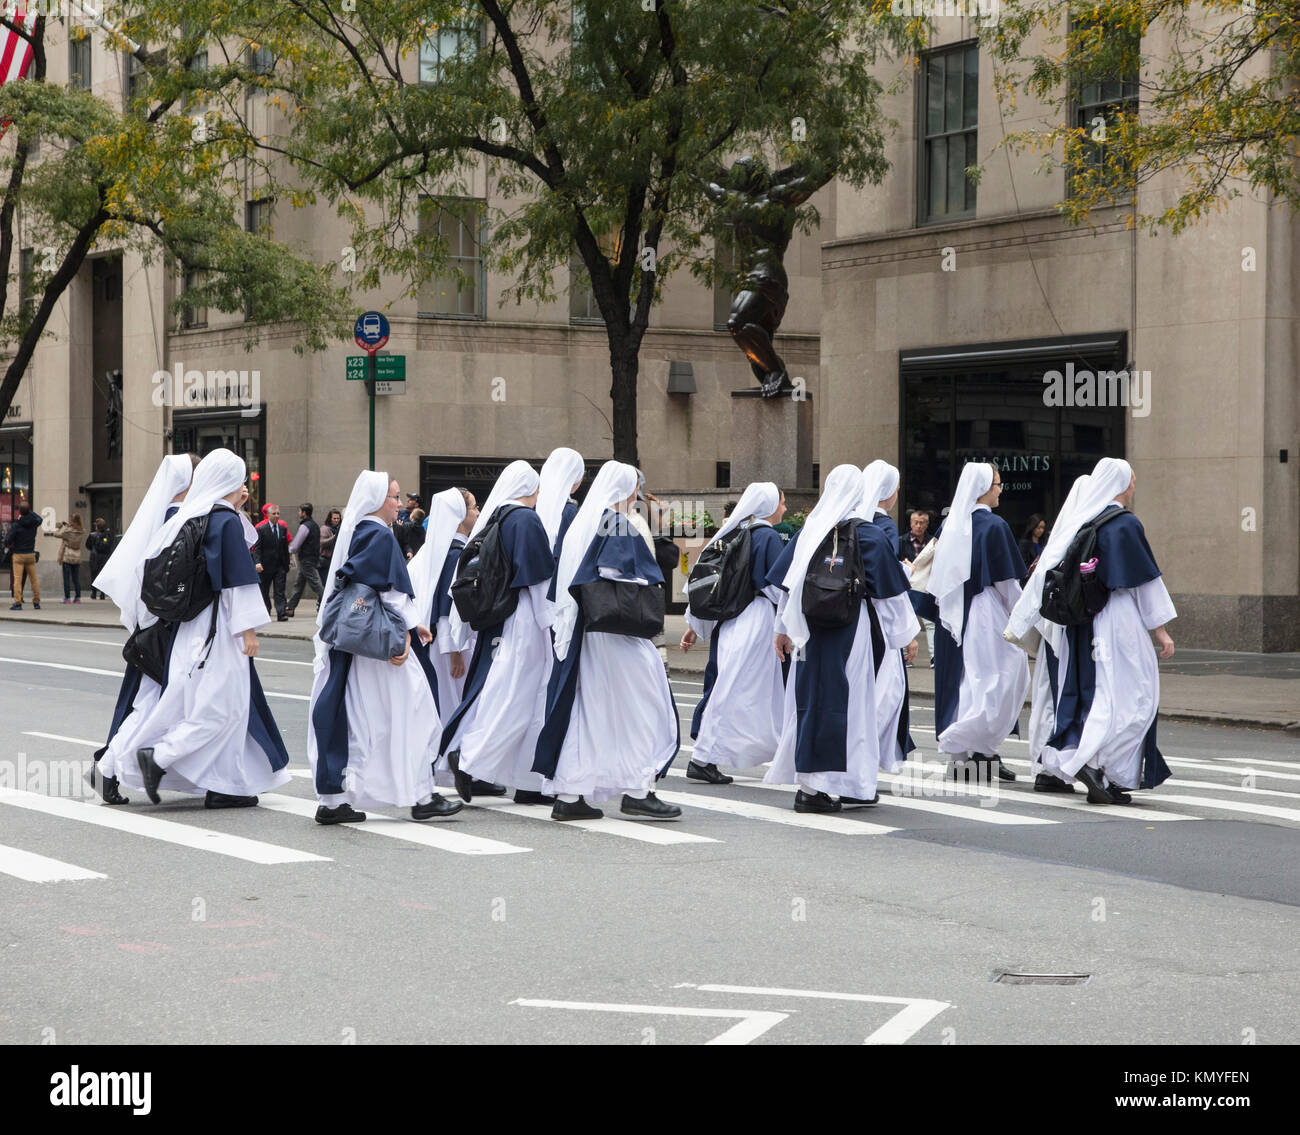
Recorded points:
(375,559)
(1125,561)
(619,546)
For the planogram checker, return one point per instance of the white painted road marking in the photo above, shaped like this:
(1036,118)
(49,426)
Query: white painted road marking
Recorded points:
(39,868)
(753,1023)
(651,831)
(834,824)
(186,835)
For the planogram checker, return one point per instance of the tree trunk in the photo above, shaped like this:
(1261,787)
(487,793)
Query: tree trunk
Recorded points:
(624,365)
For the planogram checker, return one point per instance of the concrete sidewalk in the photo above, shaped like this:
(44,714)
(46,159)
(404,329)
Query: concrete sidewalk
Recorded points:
(1195,685)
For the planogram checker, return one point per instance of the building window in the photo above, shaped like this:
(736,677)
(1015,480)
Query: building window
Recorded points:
(447,44)
(1097,106)
(79,62)
(257,222)
(26,284)
(260,59)
(196,314)
(724,261)
(949,121)
(455,223)
(135,76)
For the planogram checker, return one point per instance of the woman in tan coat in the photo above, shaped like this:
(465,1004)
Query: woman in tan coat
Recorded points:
(72,537)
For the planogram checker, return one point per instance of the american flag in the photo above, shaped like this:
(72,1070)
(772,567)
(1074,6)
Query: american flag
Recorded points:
(15,52)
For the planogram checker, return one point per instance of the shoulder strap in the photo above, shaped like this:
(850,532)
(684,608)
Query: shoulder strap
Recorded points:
(1107,516)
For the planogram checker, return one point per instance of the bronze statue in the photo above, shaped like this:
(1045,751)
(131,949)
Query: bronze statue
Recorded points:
(760,207)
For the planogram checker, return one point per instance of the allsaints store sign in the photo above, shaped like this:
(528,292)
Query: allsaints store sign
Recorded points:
(1016,463)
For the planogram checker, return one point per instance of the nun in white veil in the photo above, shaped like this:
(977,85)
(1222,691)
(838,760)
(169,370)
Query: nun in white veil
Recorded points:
(739,716)
(489,736)
(980,679)
(210,731)
(120,579)
(879,492)
(373,724)
(611,723)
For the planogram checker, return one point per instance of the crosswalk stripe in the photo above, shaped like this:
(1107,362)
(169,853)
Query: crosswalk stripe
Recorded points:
(442,838)
(40,868)
(651,831)
(1200,766)
(186,835)
(64,666)
(61,737)
(1269,810)
(1141,812)
(750,811)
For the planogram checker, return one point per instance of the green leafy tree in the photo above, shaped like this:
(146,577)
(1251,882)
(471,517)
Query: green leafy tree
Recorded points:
(599,122)
(154,173)
(1216,106)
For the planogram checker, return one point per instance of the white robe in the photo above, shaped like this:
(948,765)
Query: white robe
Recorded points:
(741,724)
(498,734)
(393,726)
(994,677)
(198,726)
(623,727)
(863,732)
(1042,713)
(1127,693)
(450,690)
(897,621)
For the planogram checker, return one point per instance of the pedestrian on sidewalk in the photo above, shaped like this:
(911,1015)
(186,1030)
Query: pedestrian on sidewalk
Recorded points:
(1109,698)
(490,736)
(980,679)
(120,580)
(611,723)
(306,546)
(210,732)
(21,541)
(72,538)
(909,547)
(328,532)
(99,544)
(416,532)
(271,557)
(741,709)
(830,739)
(373,723)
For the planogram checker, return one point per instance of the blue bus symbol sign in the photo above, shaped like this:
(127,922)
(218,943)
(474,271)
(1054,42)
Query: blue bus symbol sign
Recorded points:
(371,331)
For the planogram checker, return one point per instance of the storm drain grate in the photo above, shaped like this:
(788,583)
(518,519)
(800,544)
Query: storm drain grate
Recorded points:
(1043,978)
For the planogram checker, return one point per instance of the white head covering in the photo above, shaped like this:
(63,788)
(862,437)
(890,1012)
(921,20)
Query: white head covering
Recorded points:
(446,511)
(839,501)
(759,500)
(615,482)
(120,577)
(1025,614)
(951,567)
(517,480)
(369,491)
(562,469)
(218,475)
(879,482)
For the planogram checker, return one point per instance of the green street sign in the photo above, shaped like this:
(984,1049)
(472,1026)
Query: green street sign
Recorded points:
(388,368)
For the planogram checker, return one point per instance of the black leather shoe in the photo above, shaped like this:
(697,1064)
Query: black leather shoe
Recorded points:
(222,800)
(464,782)
(707,773)
(968,771)
(650,808)
(1118,795)
(437,808)
(106,787)
(578,810)
(858,802)
(815,802)
(282,618)
(487,788)
(1046,782)
(1097,791)
(527,796)
(343,814)
(151,772)
(1004,773)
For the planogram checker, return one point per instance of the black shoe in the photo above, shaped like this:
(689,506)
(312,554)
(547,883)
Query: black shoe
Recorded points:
(967,770)
(437,808)
(817,802)
(527,796)
(1004,773)
(151,772)
(106,787)
(487,788)
(858,802)
(578,810)
(1118,795)
(650,808)
(282,618)
(222,800)
(707,773)
(1046,782)
(1097,791)
(464,782)
(343,814)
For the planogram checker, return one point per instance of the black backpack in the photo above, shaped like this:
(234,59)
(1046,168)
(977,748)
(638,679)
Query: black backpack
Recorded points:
(481,590)
(175,585)
(721,583)
(1071,598)
(835,584)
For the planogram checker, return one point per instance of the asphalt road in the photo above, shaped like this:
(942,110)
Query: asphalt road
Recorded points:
(751,925)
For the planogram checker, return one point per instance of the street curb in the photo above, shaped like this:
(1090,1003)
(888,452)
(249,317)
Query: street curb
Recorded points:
(93,625)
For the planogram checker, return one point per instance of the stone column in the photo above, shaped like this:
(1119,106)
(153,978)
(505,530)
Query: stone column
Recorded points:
(771,440)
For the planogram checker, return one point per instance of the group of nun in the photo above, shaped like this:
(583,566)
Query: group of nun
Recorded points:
(571,717)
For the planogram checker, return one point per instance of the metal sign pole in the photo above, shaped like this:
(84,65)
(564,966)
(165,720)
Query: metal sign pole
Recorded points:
(370,389)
